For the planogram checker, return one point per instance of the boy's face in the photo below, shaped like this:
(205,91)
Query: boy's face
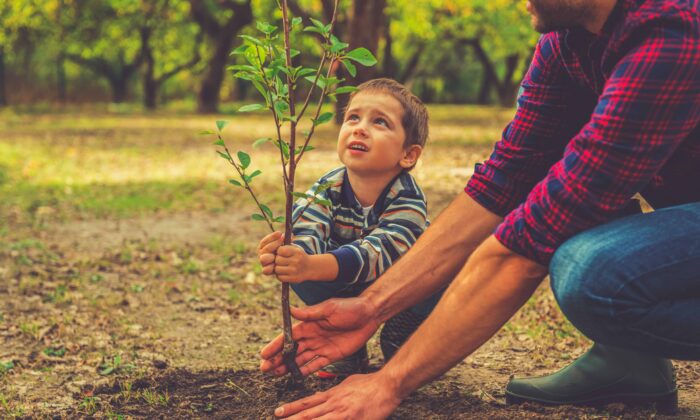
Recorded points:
(371,139)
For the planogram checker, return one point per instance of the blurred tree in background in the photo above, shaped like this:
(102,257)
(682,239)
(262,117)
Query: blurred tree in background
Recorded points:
(155,51)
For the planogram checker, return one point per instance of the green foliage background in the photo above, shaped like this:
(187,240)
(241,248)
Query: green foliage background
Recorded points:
(42,42)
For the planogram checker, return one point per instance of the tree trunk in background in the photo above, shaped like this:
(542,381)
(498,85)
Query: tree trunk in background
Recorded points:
(120,88)
(3,98)
(365,28)
(150,86)
(61,78)
(222,36)
(508,89)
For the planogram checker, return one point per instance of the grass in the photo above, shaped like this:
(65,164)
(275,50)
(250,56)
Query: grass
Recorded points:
(119,165)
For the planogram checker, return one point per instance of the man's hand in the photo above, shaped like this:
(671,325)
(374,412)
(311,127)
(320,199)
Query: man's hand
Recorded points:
(267,248)
(293,265)
(329,331)
(358,397)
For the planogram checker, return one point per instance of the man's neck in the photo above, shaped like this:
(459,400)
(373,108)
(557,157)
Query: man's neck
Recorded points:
(597,22)
(367,188)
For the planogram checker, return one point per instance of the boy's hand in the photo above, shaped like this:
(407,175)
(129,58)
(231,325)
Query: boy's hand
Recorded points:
(292,264)
(267,248)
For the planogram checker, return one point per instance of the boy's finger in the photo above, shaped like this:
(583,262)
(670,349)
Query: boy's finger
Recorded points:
(266,259)
(268,270)
(268,239)
(271,247)
(287,250)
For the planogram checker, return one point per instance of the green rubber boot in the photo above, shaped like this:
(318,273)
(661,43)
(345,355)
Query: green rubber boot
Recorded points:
(603,375)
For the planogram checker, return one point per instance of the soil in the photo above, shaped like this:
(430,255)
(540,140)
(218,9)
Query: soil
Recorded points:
(162,317)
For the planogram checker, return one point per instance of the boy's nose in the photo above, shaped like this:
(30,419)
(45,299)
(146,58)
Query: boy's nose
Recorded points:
(359,131)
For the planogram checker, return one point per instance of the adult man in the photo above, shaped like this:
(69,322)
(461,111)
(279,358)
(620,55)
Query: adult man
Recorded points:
(610,107)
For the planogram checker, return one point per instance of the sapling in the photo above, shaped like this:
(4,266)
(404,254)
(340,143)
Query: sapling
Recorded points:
(269,66)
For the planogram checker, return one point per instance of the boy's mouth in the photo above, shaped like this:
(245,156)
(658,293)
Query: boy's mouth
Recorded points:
(359,146)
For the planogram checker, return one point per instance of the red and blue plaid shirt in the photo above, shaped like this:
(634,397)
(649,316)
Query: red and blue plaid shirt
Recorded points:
(600,118)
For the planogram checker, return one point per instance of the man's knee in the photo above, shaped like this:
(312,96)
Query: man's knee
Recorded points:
(580,274)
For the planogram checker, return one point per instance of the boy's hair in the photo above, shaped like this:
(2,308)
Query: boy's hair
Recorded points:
(415,115)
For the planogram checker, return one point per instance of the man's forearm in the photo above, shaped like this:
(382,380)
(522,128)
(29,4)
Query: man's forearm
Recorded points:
(434,259)
(484,295)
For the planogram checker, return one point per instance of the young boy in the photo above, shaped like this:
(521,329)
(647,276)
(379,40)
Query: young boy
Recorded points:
(376,214)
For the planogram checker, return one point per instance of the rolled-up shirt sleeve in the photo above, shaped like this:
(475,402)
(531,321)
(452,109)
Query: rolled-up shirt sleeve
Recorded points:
(532,142)
(649,105)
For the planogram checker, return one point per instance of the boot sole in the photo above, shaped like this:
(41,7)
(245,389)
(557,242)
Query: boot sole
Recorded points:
(664,403)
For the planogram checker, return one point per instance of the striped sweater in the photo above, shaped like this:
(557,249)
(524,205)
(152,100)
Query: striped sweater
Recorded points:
(364,247)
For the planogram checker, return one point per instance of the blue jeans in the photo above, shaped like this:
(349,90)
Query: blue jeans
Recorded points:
(313,292)
(635,282)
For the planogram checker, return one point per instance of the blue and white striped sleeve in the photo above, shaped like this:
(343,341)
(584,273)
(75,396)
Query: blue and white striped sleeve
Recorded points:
(398,228)
(312,230)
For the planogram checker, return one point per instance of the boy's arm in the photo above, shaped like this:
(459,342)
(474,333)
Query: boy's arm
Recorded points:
(402,222)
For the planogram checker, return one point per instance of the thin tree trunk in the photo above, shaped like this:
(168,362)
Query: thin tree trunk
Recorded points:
(61,78)
(365,29)
(150,86)
(3,98)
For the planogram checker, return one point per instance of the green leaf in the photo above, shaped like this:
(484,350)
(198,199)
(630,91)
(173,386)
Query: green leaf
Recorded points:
(350,67)
(259,142)
(255,173)
(284,147)
(315,29)
(244,158)
(266,210)
(320,83)
(251,107)
(345,89)
(240,50)
(323,202)
(242,67)
(219,143)
(323,118)
(362,56)
(265,27)
(257,217)
(299,195)
(206,133)
(293,53)
(323,187)
(221,124)
(281,107)
(224,155)
(278,219)
(305,148)
(252,40)
(296,21)
(305,72)
(338,46)
(317,23)
(235,182)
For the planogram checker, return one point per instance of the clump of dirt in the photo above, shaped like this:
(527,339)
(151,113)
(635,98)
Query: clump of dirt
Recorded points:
(226,394)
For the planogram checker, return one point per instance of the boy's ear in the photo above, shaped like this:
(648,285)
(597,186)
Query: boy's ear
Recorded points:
(410,156)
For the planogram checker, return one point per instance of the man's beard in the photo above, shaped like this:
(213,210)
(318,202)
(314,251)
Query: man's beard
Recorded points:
(555,15)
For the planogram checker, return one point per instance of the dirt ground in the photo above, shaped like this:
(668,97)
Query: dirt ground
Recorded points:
(162,317)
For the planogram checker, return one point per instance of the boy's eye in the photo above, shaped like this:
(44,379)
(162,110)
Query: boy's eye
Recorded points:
(381,121)
(353,117)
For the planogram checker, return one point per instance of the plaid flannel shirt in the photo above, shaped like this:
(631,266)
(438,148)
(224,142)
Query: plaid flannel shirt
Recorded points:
(600,118)
(363,246)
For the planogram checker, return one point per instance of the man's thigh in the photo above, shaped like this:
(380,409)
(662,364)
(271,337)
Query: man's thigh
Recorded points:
(635,277)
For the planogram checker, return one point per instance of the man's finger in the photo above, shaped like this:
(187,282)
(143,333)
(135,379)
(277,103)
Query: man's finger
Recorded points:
(314,365)
(273,348)
(311,313)
(292,408)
